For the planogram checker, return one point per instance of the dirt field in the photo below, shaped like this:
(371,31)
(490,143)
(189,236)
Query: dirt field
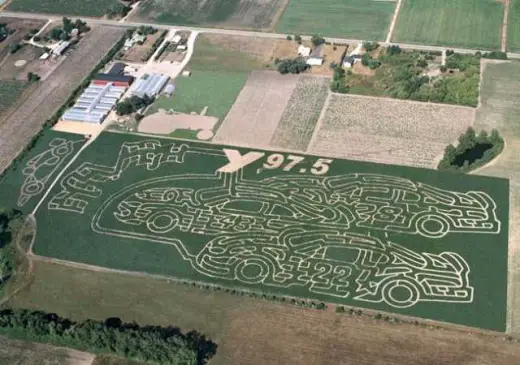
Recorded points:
(13,352)
(254,116)
(299,118)
(500,109)
(12,68)
(389,131)
(164,123)
(26,121)
(255,332)
(22,27)
(242,14)
(137,52)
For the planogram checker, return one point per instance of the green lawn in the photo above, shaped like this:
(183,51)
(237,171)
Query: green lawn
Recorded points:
(10,91)
(96,8)
(513,31)
(156,205)
(457,23)
(216,90)
(24,183)
(358,19)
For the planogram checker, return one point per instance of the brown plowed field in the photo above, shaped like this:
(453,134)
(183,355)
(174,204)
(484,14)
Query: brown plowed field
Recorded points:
(254,116)
(389,131)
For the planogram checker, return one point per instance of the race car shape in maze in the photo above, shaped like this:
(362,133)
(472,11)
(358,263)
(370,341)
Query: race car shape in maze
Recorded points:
(308,231)
(42,167)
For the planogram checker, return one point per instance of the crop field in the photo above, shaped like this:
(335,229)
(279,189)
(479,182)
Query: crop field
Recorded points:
(13,352)
(10,91)
(23,186)
(357,19)
(299,118)
(513,27)
(95,8)
(463,23)
(51,94)
(376,236)
(254,116)
(247,14)
(389,131)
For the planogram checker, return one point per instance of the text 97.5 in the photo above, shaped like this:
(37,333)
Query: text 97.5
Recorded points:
(277,160)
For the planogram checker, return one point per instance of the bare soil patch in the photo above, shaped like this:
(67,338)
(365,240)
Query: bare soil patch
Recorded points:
(166,123)
(389,131)
(254,116)
(30,54)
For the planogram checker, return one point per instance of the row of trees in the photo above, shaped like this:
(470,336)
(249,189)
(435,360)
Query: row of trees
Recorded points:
(472,151)
(150,344)
(9,222)
(292,65)
(133,104)
(337,84)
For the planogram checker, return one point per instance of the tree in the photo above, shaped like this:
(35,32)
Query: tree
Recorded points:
(317,40)
(55,33)
(32,77)
(13,48)
(289,38)
(370,46)
(67,25)
(292,65)
(298,38)
(393,50)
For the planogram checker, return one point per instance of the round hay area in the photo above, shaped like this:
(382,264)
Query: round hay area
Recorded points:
(20,63)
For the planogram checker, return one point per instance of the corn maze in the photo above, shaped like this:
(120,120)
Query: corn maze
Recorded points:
(405,240)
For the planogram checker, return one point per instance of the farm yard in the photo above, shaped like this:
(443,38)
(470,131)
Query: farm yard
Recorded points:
(299,118)
(254,116)
(354,19)
(94,228)
(94,8)
(20,27)
(243,14)
(462,23)
(50,94)
(389,131)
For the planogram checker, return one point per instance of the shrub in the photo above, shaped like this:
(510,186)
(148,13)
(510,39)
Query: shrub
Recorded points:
(32,77)
(37,38)
(370,46)
(339,309)
(393,50)
(298,38)
(317,40)
(497,55)
(289,38)
(292,65)
(13,48)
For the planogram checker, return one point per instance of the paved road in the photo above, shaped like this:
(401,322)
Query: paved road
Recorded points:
(235,32)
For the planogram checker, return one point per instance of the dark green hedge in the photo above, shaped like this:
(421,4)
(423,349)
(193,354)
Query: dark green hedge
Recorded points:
(150,344)
(491,145)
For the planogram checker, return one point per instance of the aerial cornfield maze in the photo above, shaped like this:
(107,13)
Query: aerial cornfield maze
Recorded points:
(409,241)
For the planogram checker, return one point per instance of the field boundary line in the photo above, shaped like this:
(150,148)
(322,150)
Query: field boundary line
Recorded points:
(394,21)
(317,128)
(505,22)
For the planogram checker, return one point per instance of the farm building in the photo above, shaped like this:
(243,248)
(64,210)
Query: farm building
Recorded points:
(117,80)
(304,51)
(95,103)
(136,38)
(118,68)
(350,61)
(315,61)
(176,39)
(182,47)
(60,48)
(149,84)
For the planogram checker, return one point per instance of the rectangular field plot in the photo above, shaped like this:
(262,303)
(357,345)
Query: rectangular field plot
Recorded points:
(23,186)
(10,91)
(409,241)
(249,14)
(95,8)
(513,27)
(389,131)
(301,114)
(255,114)
(463,23)
(358,19)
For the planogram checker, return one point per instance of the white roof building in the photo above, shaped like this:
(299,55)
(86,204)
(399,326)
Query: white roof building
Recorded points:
(94,104)
(149,84)
(176,39)
(60,47)
(315,61)
(304,51)
(182,47)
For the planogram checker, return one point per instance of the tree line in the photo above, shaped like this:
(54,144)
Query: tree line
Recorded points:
(150,344)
